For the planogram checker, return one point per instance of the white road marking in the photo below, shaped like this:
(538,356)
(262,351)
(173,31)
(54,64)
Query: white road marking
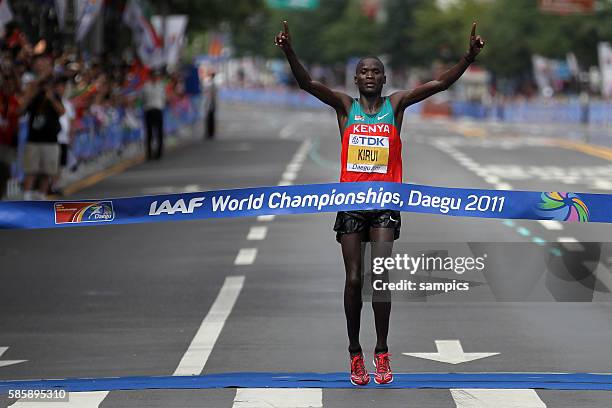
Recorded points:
(289,175)
(8,362)
(571,244)
(246,256)
(257,233)
(285,183)
(201,346)
(602,184)
(494,398)
(190,188)
(159,190)
(193,188)
(451,352)
(503,186)
(90,399)
(278,398)
(287,131)
(266,218)
(551,225)
(294,167)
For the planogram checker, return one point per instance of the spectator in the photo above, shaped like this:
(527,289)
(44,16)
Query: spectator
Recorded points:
(44,106)
(64,136)
(9,123)
(210,107)
(154,101)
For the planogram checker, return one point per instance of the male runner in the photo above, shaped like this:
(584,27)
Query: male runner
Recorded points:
(360,162)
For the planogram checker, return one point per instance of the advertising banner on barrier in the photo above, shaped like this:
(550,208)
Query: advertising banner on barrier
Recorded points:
(314,198)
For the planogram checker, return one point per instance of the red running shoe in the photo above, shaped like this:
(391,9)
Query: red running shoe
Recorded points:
(383,373)
(359,374)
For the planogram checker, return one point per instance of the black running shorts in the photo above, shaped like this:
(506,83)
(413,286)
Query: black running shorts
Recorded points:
(348,222)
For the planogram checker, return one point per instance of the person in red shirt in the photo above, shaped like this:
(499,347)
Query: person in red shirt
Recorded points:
(371,151)
(9,125)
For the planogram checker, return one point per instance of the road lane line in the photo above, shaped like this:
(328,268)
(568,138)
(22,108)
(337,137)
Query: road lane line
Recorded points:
(285,183)
(294,167)
(498,398)
(592,150)
(91,399)
(551,225)
(278,398)
(571,244)
(287,131)
(503,186)
(289,175)
(265,218)
(202,344)
(246,256)
(257,233)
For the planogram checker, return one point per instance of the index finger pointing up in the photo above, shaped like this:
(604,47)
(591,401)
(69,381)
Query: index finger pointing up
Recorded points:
(473,29)
(285,27)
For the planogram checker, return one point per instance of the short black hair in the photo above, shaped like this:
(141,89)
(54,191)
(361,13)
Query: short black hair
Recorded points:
(369,57)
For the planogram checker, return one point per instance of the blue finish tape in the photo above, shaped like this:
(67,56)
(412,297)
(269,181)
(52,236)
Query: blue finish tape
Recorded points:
(313,198)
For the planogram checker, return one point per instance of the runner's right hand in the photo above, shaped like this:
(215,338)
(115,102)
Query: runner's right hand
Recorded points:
(283,39)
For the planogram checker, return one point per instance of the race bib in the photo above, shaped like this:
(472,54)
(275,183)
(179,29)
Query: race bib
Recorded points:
(368,154)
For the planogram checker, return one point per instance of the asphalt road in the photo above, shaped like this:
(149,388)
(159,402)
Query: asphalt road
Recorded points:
(145,300)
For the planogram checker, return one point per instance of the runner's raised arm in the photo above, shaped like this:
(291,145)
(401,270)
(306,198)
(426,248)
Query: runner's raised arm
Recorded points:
(402,99)
(340,101)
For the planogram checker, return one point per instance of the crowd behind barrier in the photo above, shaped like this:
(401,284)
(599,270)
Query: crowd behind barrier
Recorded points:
(112,130)
(535,111)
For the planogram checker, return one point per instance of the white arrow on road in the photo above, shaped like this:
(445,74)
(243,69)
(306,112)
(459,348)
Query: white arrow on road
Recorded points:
(8,362)
(451,352)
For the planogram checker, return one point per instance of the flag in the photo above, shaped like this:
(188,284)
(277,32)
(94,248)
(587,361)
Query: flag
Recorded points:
(174,36)
(605,65)
(572,63)
(215,44)
(148,44)
(6,14)
(87,12)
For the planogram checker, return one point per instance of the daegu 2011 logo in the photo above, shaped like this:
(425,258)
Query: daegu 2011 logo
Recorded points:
(562,206)
(79,212)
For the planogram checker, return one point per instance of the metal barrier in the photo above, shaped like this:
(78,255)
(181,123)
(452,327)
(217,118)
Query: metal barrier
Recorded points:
(109,132)
(570,112)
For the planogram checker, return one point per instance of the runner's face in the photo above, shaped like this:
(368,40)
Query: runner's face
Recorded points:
(370,77)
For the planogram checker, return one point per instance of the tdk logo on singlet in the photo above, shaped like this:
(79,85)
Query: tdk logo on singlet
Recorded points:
(166,207)
(369,141)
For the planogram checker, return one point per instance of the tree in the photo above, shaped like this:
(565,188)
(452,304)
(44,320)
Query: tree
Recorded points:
(204,15)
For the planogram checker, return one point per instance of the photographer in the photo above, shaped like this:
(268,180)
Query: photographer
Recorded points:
(44,106)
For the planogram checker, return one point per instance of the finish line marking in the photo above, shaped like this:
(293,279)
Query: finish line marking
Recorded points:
(550,381)
(474,398)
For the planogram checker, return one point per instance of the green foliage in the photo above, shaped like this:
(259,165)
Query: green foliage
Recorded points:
(416,33)
(209,14)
